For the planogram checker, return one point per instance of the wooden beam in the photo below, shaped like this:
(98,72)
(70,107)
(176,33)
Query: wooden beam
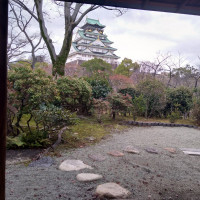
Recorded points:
(145,3)
(3,91)
(182,5)
(161,5)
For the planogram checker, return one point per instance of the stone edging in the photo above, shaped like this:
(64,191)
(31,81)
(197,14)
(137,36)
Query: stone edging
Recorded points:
(158,124)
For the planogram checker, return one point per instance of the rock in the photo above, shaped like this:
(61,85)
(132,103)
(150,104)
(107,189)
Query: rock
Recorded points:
(151,150)
(96,157)
(91,138)
(171,150)
(88,177)
(75,133)
(130,149)
(112,190)
(45,161)
(116,153)
(73,165)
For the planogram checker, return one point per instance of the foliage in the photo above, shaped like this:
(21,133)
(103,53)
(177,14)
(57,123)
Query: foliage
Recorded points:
(153,92)
(129,91)
(75,94)
(28,90)
(174,116)
(127,67)
(52,118)
(100,86)
(196,110)
(120,82)
(97,65)
(119,102)
(180,99)
(14,142)
(100,108)
(139,106)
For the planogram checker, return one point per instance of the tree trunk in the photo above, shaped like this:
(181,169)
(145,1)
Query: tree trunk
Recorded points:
(29,124)
(113,115)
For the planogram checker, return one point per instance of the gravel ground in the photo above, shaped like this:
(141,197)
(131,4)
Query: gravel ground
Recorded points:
(146,176)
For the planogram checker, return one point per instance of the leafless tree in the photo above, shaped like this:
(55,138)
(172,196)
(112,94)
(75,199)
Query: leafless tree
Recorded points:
(32,41)
(16,43)
(73,14)
(157,66)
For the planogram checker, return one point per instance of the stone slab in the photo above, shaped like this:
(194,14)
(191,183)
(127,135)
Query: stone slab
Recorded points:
(112,190)
(193,153)
(171,150)
(73,165)
(85,177)
(131,149)
(151,150)
(190,149)
(45,161)
(116,153)
(96,157)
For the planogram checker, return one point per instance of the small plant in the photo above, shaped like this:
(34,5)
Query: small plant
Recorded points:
(100,108)
(174,116)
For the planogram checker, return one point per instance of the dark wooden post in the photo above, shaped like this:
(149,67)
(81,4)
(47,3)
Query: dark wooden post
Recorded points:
(3,91)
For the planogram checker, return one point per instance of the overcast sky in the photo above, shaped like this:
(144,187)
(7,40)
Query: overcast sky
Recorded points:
(139,35)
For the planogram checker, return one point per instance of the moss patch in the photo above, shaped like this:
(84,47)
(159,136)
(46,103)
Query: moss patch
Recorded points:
(88,131)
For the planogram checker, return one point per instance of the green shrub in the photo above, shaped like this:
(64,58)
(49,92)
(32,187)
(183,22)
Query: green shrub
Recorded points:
(196,110)
(100,107)
(154,94)
(75,94)
(119,103)
(129,91)
(179,98)
(100,86)
(174,116)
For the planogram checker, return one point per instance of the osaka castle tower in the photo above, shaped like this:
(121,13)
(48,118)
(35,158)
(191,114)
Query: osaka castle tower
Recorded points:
(91,42)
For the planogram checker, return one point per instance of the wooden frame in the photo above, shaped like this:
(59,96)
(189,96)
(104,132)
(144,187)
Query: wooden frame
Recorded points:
(176,6)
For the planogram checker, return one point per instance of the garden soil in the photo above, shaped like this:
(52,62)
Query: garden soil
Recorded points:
(163,175)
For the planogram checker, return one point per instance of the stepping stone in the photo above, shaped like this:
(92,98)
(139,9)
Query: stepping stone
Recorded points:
(73,165)
(116,153)
(45,161)
(112,190)
(130,149)
(189,151)
(171,150)
(151,150)
(84,177)
(96,157)
(192,153)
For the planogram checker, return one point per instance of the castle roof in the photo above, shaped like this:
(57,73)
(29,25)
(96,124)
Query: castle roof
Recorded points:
(93,22)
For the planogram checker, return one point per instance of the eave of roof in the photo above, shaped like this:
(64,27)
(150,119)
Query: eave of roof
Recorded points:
(81,33)
(191,7)
(95,54)
(100,47)
(94,22)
